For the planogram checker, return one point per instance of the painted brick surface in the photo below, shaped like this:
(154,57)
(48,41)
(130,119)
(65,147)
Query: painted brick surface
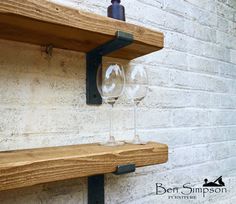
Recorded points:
(191,104)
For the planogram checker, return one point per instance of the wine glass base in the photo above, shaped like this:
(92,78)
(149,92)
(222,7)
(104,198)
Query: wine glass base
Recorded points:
(137,141)
(113,143)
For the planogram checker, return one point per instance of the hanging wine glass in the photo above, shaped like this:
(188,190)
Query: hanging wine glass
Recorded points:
(136,90)
(110,84)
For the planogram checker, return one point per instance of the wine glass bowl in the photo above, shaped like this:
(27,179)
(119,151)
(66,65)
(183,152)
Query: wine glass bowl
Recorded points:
(136,83)
(110,82)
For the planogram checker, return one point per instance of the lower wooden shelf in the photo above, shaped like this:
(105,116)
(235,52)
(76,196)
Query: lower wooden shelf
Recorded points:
(23,168)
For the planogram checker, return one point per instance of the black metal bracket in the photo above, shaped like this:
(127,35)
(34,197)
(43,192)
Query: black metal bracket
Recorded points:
(125,169)
(94,60)
(96,192)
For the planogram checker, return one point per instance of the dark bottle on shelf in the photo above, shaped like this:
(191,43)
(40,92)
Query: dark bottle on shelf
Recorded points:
(116,10)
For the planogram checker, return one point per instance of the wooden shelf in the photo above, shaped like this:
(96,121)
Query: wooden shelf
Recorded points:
(42,22)
(35,166)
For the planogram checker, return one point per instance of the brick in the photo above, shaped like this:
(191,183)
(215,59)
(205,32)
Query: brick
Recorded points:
(222,24)
(210,134)
(226,40)
(175,6)
(202,16)
(233,87)
(175,41)
(222,117)
(174,22)
(196,30)
(227,69)
(174,137)
(232,28)
(202,64)
(158,77)
(155,3)
(206,49)
(207,4)
(225,11)
(190,80)
(232,4)
(153,118)
(190,118)
(233,56)
(227,101)
(165,57)
(168,98)
(153,15)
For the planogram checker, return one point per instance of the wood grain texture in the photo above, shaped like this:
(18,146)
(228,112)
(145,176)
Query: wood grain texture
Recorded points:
(35,166)
(42,22)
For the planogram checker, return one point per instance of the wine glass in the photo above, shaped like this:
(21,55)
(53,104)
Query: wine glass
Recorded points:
(110,84)
(136,90)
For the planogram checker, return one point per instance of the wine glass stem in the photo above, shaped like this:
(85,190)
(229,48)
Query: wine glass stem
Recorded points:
(111,125)
(135,120)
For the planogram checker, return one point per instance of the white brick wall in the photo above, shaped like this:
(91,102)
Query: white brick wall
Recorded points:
(191,104)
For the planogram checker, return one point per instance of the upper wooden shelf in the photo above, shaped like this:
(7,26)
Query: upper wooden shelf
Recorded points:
(42,22)
(29,167)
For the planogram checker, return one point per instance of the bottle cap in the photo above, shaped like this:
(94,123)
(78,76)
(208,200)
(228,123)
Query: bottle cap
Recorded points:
(112,1)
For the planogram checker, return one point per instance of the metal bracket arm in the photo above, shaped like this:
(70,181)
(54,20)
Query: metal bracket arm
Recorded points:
(96,192)
(125,169)
(94,60)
